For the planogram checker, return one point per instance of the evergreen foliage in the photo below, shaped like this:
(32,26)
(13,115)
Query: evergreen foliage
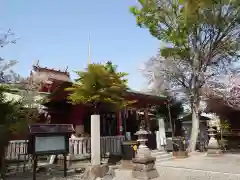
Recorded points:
(100,83)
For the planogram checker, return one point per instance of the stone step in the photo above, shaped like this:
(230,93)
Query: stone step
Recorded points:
(158,153)
(161,156)
(159,162)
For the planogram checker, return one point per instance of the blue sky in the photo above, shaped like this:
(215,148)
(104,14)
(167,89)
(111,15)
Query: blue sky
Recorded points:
(55,32)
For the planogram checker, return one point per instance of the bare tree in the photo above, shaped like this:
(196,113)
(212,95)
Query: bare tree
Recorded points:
(6,74)
(7,38)
(226,89)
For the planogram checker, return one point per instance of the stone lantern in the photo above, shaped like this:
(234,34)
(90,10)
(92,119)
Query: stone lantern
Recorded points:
(213,148)
(143,164)
(143,151)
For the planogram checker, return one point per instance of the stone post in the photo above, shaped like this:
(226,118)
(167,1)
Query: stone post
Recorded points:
(143,164)
(95,170)
(213,148)
(95,140)
(161,135)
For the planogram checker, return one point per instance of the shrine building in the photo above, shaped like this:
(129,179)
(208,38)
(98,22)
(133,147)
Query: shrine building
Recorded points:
(54,82)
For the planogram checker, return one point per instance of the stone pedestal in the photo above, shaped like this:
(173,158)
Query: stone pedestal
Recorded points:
(126,164)
(180,154)
(143,168)
(123,174)
(94,172)
(213,148)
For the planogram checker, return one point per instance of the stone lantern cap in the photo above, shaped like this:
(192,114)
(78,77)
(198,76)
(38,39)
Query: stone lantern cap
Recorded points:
(211,130)
(141,132)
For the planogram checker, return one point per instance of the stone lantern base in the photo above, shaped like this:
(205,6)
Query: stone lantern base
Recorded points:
(213,148)
(143,168)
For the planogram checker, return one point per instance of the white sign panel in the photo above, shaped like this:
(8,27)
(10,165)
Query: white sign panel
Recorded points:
(50,143)
(128,135)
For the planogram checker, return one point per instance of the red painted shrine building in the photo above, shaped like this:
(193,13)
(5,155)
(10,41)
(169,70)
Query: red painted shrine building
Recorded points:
(55,82)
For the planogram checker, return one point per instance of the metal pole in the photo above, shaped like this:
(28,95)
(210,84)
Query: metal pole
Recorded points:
(34,166)
(65,164)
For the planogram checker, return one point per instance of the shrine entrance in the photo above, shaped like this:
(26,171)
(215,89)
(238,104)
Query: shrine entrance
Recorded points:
(108,123)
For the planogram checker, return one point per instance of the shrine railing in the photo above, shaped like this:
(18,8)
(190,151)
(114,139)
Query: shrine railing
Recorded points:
(109,145)
(17,150)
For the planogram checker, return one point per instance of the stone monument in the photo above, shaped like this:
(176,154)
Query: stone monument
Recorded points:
(96,169)
(143,163)
(213,148)
(161,135)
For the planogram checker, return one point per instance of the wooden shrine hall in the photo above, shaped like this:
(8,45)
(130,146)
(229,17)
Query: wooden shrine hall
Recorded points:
(230,115)
(55,82)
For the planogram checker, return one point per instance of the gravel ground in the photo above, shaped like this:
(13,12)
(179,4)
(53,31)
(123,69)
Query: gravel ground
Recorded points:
(72,176)
(53,175)
(196,167)
(45,176)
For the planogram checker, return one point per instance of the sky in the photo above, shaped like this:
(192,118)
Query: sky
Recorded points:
(56,33)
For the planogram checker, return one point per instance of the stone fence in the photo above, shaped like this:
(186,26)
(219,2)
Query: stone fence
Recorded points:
(78,146)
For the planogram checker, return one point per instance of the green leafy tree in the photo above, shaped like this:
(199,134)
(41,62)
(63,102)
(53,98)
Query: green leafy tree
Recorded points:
(30,101)
(11,119)
(202,42)
(223,127)
(100,84)
(16,101)
(23,91)
(111,68)
(17,110)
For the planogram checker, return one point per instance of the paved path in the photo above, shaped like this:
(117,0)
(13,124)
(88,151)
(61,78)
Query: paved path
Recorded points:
(201,167)
(226,163)
(196,167)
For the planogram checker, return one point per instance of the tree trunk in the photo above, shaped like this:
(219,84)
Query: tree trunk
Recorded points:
(2,164)
(4,139)
(195,126)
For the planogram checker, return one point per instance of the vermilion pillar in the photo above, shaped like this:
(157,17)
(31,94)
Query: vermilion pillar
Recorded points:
(120,127)
(76,118)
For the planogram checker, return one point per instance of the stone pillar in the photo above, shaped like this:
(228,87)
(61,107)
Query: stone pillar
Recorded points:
(161,135)
(95,140)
